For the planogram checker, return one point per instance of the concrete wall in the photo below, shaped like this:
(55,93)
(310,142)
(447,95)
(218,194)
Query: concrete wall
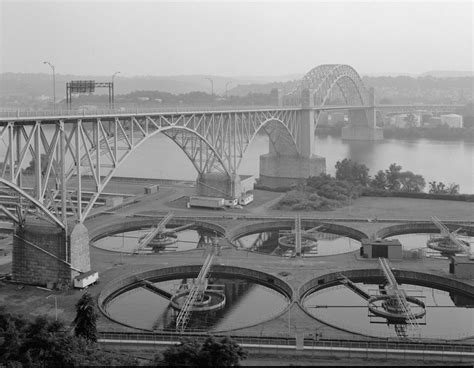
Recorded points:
(218,185)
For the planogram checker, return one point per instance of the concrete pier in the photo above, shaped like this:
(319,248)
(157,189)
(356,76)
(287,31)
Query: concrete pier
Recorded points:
(44,255)
(284,167)
(362,123)
(218,185)
(282,171)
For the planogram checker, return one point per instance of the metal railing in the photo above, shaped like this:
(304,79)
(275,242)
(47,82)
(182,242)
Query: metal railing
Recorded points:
(138,110)
(308,340)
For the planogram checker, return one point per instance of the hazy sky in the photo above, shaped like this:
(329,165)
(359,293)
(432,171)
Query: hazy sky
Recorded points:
(234,38)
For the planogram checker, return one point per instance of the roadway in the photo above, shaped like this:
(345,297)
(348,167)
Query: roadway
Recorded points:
(53,116)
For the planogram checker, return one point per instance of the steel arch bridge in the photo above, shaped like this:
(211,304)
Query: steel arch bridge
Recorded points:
(63,150)
(324,78)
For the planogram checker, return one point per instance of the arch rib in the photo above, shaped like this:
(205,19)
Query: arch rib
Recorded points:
(323,78)
(39,205)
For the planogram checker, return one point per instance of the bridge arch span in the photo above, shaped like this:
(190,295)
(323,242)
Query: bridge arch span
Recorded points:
(37,204)
(179,135)
(322,80)
(282,137)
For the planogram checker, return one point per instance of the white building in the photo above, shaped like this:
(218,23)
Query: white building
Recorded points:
(452,120)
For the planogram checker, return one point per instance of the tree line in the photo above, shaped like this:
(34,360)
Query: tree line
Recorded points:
(44,342)
(351,180)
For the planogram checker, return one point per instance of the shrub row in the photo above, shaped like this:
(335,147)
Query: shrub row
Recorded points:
(370,192)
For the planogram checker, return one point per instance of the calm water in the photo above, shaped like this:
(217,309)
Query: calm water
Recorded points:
(440,161)
(443,319)
(127,242)
(246,304)
(267,243)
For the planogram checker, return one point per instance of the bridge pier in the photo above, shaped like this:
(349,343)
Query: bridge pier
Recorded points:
(283,168)
(216,184)
(43,254)
(362,123)
(283,171)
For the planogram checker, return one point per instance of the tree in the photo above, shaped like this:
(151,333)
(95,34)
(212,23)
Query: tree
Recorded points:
(441,188)
(86,318)
(410,182)
(31,167)
(211,353)
(223,353)
(411,121)
(392,175)
(44,342)
(453,189)
(379,181)
(353,172)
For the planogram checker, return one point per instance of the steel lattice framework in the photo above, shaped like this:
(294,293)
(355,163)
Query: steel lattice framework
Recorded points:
(323,78)
(65,150)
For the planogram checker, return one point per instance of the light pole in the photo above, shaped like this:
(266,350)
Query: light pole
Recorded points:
(113,76)
(212,85)
(55,305)
(226,88)
(54,83)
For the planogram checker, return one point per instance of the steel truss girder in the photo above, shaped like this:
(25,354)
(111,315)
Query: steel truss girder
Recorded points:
(323,78)
(65,152)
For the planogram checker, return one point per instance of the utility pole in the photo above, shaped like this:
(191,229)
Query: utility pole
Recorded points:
(212,85)
(226,88)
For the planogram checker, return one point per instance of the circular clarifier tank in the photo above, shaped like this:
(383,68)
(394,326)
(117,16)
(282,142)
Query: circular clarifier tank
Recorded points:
(231,301)
(418,241)
(181,240)
(365,307)
(281,243)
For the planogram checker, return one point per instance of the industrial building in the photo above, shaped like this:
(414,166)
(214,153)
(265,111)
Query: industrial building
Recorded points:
(452,120)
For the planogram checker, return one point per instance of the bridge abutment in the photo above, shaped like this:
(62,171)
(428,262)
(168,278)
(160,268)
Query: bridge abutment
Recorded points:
(43,254)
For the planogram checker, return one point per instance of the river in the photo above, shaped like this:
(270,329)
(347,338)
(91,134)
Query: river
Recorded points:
(449,162)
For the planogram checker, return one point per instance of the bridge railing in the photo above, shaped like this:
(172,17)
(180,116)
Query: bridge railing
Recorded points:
(24,113)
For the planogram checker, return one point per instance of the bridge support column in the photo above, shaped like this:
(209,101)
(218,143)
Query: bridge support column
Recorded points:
(284,171)
(43,253)
(362,123)
(284,168)
(218,185)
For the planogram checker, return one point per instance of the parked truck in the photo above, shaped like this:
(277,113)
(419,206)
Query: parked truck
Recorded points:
(86,279)
(245,199)
(208,202)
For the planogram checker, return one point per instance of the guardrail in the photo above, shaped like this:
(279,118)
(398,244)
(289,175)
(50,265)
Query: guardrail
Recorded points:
(307,341)
(134,111)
